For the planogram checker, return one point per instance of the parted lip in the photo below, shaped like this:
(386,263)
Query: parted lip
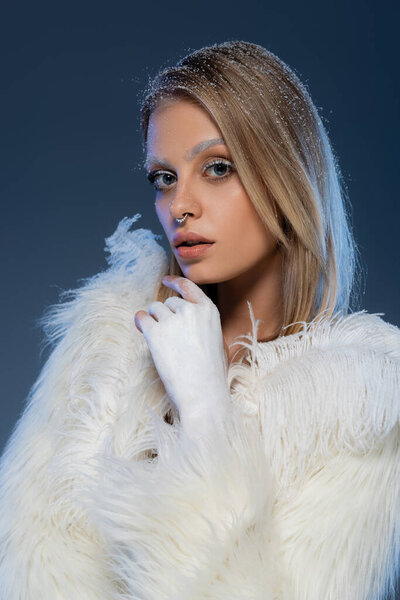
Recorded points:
(189,236)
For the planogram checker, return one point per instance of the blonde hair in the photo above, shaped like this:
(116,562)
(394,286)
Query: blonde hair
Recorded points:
(285,162)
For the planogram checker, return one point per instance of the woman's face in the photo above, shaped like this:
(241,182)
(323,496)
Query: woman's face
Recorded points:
(204,184)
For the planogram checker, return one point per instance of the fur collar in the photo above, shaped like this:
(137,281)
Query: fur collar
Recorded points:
(332,387)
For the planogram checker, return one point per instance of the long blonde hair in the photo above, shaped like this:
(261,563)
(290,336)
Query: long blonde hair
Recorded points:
(285,162)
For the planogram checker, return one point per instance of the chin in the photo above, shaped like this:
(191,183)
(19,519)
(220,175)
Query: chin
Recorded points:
(198,279)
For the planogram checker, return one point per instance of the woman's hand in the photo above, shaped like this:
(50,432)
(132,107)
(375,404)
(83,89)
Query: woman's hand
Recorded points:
(185,339)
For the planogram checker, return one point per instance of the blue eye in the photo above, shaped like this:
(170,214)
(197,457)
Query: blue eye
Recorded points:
(157,178)
(154,175)
(218,163)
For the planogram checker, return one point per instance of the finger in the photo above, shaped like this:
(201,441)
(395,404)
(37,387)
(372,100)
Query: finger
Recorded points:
(138,315)
(159,310)
(186,287)
(143,321)
(174,303)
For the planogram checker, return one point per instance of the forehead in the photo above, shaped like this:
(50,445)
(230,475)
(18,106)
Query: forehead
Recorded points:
(181,125)
(177,114)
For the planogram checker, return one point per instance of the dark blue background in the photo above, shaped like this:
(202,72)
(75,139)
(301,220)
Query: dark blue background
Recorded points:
(71,154)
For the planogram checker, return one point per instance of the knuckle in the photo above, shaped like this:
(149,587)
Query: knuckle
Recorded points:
(187,307)
(214,308)
(172,302)
(154,305)
(203,308)
(184,284)
(208,307)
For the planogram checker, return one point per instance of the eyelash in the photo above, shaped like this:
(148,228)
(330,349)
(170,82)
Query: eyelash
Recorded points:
(154,174)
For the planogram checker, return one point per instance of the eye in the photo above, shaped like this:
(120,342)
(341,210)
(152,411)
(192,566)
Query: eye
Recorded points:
(161,180)
(153,178)
(226,164)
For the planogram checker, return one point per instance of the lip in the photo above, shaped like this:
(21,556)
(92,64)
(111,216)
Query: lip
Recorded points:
(193,251)
(189,236)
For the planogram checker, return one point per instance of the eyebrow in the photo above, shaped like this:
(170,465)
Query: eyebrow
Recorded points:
(188,156)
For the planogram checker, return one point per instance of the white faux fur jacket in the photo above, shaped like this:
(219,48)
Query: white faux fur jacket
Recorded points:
(298,499)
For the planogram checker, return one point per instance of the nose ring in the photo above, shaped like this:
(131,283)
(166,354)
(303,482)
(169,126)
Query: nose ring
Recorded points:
(182,219)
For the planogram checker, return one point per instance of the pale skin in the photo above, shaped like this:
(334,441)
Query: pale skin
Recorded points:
(244,260)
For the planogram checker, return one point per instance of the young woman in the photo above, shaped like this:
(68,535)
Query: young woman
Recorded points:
(155,459)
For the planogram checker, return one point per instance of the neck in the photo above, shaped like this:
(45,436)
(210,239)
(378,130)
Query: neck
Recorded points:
(262,286)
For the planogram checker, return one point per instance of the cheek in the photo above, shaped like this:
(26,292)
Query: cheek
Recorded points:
(247,241)
(245,233)
(162,213)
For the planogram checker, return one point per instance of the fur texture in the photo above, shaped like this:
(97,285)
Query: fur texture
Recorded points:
(297,498)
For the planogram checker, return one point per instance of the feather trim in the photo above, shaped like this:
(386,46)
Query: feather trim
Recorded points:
(331,388)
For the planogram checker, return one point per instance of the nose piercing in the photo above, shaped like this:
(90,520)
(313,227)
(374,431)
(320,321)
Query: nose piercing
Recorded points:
(182,219)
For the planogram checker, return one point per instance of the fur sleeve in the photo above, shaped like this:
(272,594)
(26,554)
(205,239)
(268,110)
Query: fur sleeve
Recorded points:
(49,549)
(195,522)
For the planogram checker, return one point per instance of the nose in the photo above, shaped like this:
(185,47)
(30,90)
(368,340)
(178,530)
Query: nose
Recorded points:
(185,200)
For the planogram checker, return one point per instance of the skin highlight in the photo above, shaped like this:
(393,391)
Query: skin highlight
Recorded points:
(245,261)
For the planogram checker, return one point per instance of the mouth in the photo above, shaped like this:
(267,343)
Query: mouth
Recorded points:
(192,251)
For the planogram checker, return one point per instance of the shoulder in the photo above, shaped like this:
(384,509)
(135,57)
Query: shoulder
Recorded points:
(338,345)
(331,388)
(355,357)
(350,333)
(366,331)
(346,358)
